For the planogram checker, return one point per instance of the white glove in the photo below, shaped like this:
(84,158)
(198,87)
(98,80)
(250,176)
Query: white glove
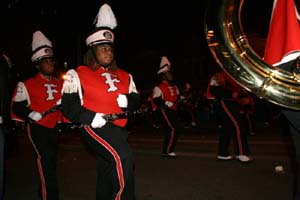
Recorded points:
(35,116)
(98,121)
(58,102)
(169,103)
(122,101)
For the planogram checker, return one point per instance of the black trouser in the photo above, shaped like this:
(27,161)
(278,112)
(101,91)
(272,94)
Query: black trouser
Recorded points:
(45,144)
(156,117)
(233,124)
(171,126)
(189,113)
(249,123)
(293,118)
(2,143)
(115,163)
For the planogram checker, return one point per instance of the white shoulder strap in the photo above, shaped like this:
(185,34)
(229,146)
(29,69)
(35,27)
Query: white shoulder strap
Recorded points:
(72,84)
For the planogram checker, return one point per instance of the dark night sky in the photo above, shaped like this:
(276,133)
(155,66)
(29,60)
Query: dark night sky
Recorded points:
(146,31)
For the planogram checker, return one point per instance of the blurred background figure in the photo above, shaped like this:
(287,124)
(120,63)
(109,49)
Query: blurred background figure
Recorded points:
(188,105)
(155,117)
(247,110)
(5,121)
(227,107)
(165,96)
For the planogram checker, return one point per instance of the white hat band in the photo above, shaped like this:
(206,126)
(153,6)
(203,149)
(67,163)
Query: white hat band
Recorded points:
(163,69)
(41,53)
(100,36)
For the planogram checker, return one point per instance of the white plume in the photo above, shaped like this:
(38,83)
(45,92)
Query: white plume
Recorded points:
(164,61)
(39,39)
(106,17)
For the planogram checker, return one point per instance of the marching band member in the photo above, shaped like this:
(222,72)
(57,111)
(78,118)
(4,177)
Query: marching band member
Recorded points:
(165,96)
(98,89)
(31,99)
(227,107)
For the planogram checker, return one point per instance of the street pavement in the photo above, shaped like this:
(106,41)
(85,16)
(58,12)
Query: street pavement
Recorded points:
(194,175)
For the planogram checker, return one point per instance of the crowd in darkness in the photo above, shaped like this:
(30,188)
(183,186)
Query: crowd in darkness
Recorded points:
(196,111)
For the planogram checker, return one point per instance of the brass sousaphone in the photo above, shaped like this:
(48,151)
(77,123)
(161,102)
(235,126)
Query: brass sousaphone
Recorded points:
(231,49)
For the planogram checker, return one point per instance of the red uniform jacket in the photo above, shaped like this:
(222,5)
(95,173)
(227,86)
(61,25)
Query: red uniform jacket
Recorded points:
(43,95)
(101,89)
(170,93)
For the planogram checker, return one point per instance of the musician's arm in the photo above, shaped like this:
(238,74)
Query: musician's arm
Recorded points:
(158,97)
(134,99)
(21,101)
(71,103)
(74,111)
(21,109)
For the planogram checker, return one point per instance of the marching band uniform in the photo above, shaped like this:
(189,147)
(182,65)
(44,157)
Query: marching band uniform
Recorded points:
(248,111)
(189,104)
(293,118)
(31,99)
(155,114)
(227,107)
(165,96)
(101,88)
(5,125)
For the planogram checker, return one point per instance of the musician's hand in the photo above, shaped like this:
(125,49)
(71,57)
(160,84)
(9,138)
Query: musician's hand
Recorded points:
(35,116)
(98,121)
(58,102)
(169,103)
(122,101)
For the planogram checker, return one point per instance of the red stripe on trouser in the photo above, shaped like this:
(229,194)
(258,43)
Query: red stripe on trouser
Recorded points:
(39,164)
(192,114)
(114,154)
(172,129)
(236,125)
(249,123)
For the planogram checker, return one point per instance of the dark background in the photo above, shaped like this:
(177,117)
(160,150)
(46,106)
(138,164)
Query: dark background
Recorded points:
(146,31)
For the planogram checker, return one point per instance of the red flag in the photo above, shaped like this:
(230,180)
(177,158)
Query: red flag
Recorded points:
(283,42)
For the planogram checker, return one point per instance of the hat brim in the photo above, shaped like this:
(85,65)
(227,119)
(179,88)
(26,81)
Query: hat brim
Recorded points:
(41,53)
(102,35)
